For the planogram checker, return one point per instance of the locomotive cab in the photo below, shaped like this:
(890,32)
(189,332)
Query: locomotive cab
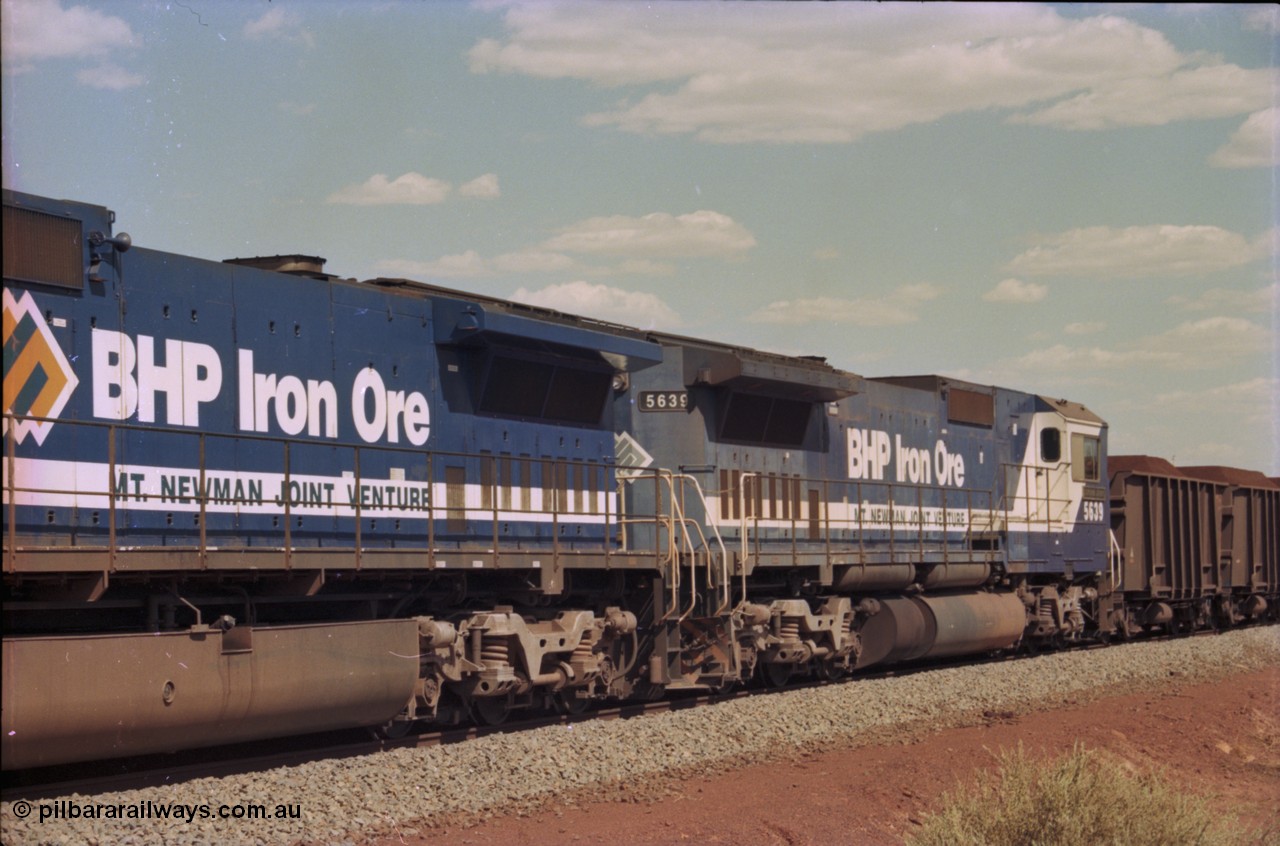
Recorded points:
(1056,496)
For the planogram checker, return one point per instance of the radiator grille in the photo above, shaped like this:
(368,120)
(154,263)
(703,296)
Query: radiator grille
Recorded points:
(43,248)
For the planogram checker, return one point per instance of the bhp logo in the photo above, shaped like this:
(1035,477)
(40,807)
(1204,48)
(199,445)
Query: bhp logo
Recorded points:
(38,379)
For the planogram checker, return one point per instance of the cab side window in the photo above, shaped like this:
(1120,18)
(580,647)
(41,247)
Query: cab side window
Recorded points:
(1086,458)
(1050,445)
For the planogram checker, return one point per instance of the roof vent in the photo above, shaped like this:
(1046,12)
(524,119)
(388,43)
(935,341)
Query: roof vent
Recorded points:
(297,265)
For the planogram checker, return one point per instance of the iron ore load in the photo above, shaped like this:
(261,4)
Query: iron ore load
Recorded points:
(249,499)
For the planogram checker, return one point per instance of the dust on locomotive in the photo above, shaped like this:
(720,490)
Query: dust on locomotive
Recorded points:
(247,499)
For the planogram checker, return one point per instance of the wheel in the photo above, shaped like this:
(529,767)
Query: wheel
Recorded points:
(492,710)
(776,675)
(831,670)
(567,703)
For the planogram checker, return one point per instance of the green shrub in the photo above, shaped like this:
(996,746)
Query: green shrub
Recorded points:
(1082,798)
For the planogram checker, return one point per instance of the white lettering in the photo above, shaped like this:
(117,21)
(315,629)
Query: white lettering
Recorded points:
(295,407)
(869,453)
(115,392)
(322,404)
(950,467)
(392,411)
(291,405)
(201,379)
(417,419)
(264,393)
(246,392)
(159,378)
(190,375)
(913,464)
(370,429)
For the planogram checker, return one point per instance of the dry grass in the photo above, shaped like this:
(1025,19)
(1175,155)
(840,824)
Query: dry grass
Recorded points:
(1084,797)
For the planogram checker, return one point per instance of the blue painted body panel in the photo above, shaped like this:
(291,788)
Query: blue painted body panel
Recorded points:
(309,402)
(929,488)
(292,388)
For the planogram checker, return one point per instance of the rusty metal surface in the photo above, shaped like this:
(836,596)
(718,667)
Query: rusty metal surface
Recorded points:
(1195,533)
(951,575)
(1232,476)
(1169,528)
(868,577)
(902,630)
(1252,539)
(1148,464)
(975,622)
(119,695)
(908,628)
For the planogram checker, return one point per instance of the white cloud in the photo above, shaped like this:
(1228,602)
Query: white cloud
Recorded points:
(633,308)
(1017,291)
(898,308)
(1102,252)
(1254,144)
(1257,301)
(411,189)
(1211,341)
(482,187)
(36,30)
(834,73)
(296,109)
(472,265)
(1247,401)
(279,23)
(1198,345)
(109,77)
(1193,94)
(534,260)
(1091,327)
(698,234)
(637,267)
(461,266)
(1061,358)
(1263,19)
(633,242)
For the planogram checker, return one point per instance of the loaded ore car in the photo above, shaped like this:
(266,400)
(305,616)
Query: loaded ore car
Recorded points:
(1200,545)
(247,499)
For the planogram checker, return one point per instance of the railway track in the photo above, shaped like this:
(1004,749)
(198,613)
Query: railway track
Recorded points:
(238,759)
(518,768)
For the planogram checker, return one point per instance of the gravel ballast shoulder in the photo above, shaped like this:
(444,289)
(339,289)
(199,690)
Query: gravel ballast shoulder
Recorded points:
(411,790)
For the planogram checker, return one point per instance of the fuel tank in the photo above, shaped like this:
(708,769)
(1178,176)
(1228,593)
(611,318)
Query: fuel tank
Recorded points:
(909,628)
(82,698)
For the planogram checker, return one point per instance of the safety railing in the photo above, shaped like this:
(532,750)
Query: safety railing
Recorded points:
(685,537)
(1115,562)
(858,521)
(1038,495)
(295,498)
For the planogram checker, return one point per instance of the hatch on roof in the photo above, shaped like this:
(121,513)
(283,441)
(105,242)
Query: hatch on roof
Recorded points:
(807,379)
(294,264)
(466,323)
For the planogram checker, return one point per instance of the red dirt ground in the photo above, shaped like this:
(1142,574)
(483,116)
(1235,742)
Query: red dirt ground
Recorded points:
(1221,740)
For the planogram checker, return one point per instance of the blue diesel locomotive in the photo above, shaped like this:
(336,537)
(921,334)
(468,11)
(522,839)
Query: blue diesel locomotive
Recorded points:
(248,498)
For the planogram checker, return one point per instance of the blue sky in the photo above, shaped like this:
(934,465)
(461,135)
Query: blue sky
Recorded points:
(1075,200)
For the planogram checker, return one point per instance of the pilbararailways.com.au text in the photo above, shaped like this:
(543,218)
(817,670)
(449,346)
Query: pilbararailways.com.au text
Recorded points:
(65,809)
